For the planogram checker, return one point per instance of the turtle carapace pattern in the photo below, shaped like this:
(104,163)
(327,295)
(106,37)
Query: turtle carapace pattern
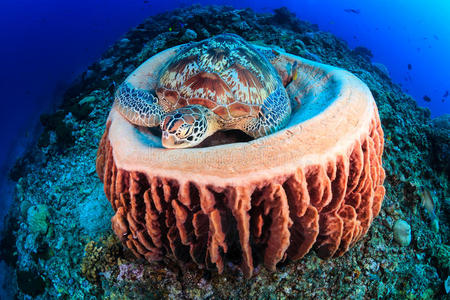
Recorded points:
(216,84)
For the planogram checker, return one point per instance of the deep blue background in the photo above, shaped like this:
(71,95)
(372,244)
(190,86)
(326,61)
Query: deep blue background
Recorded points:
(45,44)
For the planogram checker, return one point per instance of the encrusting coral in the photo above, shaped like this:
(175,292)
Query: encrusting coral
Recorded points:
(98,257)
(315,184)
(37,217)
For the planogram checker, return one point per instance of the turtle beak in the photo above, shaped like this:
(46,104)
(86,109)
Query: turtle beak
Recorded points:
(168,141)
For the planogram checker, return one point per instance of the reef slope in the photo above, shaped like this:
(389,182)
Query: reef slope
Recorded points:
(60,242)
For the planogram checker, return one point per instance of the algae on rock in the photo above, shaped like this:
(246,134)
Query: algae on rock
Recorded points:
(37,218)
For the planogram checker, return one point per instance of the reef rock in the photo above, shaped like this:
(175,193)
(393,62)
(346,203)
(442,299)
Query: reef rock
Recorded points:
(440,134)
(402,233)
(189,35)
(37,218)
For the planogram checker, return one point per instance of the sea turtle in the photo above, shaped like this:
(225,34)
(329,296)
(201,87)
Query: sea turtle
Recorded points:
(220,83)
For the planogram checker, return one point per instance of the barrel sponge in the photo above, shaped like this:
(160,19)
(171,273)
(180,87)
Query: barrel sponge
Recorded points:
(317,184)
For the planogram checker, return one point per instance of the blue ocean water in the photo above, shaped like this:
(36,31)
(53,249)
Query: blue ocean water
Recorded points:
(46,44)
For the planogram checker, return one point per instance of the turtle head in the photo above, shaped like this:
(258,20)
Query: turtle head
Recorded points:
(188,126)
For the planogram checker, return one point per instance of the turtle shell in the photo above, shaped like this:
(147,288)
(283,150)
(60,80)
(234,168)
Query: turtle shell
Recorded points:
(223,73)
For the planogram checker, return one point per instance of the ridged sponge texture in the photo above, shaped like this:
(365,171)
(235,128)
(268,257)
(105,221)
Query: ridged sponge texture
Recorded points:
(317,184)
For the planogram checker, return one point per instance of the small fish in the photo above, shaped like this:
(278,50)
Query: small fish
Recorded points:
(426,98)
(445,94)
(436,37)
(170,28)
(409,66)
(146,1)
(295,75)
(181,25)
(428,203)
(352,10)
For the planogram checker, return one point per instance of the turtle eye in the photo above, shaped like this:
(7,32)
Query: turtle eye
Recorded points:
(184,131)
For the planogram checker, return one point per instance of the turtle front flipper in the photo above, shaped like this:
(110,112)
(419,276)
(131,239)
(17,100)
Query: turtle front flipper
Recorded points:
(139,107)
(134,98)
(274,115)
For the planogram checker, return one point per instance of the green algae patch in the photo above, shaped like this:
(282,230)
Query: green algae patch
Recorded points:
(37,218)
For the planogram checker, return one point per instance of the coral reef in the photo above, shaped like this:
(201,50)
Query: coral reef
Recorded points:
(99,257)
(440,136)
(63,177)
(94,215)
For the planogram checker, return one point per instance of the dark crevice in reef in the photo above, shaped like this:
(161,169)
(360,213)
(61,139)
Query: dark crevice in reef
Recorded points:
(30,283)
(8,250)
